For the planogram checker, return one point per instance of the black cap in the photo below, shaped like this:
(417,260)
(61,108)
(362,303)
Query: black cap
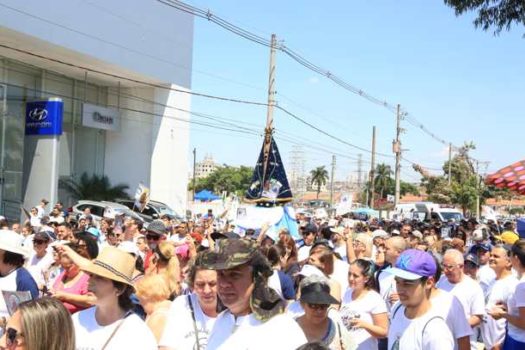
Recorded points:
(317,293)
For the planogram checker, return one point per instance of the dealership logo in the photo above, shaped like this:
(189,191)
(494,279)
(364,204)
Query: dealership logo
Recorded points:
(38,114)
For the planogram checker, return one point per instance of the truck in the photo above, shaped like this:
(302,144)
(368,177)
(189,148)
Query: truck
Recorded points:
(426,211)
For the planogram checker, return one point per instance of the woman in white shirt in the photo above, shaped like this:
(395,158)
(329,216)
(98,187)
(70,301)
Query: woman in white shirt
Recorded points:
(514,310)
(191,317)
(111,324)
(363,310)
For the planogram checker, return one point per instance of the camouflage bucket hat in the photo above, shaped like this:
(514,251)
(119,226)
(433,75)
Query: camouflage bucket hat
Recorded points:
(229,253)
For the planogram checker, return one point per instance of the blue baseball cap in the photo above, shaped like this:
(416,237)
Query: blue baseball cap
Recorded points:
(413,264)
(485,246)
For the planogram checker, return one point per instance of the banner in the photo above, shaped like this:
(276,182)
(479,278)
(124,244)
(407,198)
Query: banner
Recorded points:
(141,197)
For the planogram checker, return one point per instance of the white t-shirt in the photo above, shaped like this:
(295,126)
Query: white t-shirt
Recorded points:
(470,295)
(281,332)
(517,300)
(341,250)
(428,332)
(275,283)
(485,277)
(368,305)
(179,332)
(38,266)
(387,286)
(133,333)
(303,252)
(492,331)
(451,310)
(340,273)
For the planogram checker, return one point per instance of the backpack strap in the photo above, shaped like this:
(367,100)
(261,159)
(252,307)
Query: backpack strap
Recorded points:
(395,311)
(426,324)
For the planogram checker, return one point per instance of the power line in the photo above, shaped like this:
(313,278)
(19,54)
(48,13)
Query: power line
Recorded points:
(227,99)
(221,98)
(208,15)
(94,37)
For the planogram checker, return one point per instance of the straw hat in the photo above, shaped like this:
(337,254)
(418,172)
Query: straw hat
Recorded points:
(13,242)
(114,264)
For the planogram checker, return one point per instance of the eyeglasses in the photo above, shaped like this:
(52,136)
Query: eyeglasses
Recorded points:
(152,237)
(318,306)
(12,334)
(38,242)
(450,267)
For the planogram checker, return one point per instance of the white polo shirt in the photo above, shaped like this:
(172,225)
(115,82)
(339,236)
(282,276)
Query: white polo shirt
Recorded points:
(280,332)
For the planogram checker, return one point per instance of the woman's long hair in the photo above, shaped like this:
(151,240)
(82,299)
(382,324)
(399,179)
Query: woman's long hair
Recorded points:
(168,257)
(46,325)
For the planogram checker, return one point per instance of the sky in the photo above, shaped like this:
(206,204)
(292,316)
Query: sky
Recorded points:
(462,83)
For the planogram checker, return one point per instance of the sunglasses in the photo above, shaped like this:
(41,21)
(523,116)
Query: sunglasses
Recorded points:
(11,335)
(153,237)
(318,306)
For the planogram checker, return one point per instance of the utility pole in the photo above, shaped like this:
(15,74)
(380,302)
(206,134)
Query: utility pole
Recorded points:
(359,170)
(449,164)
(396,147)
(332,182)
(271,103)
(194,168)
(372,168)
(477,190)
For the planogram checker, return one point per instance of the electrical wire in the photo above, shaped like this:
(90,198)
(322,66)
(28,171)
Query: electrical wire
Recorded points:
(208,15)
(169,62)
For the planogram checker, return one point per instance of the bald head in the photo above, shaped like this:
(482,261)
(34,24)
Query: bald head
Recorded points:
(394,246)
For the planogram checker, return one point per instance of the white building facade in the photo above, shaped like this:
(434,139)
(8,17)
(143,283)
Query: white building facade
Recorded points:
(124,64)
(205,168)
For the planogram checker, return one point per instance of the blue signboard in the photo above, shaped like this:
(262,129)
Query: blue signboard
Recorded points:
(44,117)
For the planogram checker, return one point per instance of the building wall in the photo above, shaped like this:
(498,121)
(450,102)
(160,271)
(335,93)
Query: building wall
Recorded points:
(142,40)
(147,37)
(170,147)
(128,151)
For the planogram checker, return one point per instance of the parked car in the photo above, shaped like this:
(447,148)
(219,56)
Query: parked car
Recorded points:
(98,207)
(154,210)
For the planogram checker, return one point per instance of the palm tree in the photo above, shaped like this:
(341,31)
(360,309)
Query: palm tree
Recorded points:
(382,178)
(94,187)
(319,176)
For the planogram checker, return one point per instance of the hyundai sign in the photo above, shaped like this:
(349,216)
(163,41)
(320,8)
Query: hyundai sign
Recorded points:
(44,117)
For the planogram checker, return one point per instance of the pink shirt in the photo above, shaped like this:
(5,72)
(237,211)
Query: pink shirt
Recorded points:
(80,288)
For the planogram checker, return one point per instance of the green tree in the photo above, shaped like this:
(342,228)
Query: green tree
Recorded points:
(94,187)
(464,194)
(406,187)
(500,14)
(382,179)
(319,176)
(225,178)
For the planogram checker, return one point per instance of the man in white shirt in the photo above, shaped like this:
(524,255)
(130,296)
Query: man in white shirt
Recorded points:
(493,331)
(41,208)
(394,246)
(414,325)
(254,318)
(309,233)
(485,275)
(464,288)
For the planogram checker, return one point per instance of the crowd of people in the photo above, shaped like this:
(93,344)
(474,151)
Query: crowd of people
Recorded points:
(203,284)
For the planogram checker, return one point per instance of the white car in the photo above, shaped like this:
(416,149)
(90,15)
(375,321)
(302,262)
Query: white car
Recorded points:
(99,207)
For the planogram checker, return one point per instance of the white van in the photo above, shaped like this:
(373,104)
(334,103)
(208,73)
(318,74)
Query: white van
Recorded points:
(426,211)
